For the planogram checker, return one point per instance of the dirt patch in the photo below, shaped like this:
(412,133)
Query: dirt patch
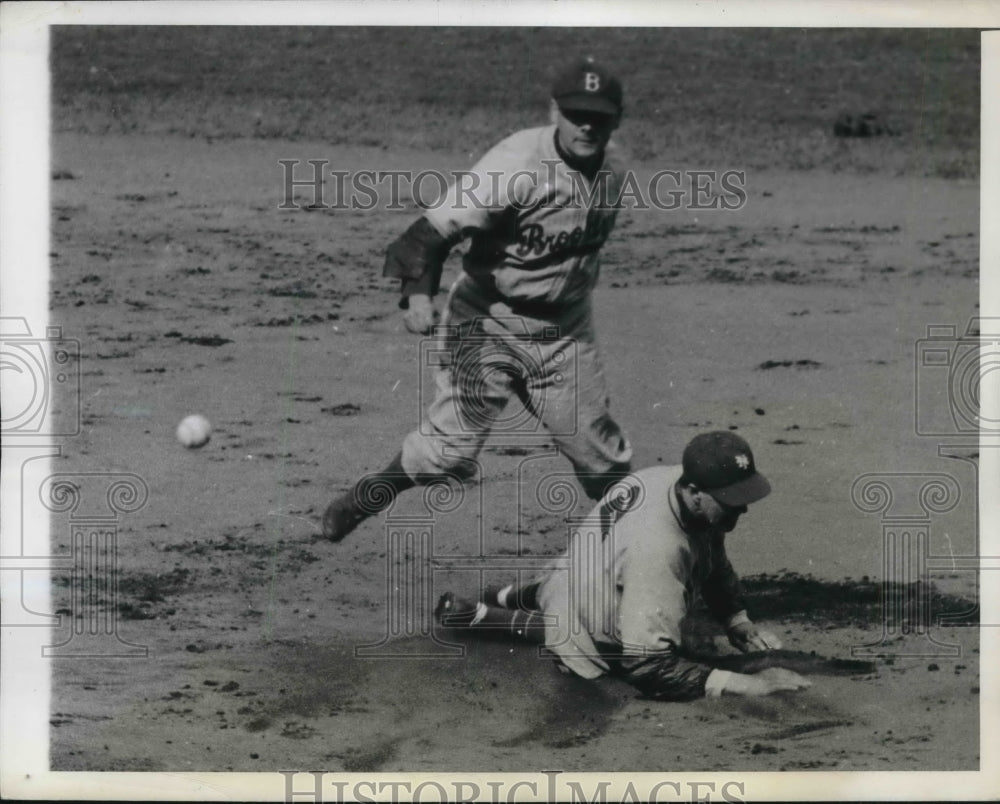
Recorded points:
(793,320)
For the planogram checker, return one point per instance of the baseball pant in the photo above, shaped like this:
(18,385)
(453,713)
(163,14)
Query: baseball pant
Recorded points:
(489,351)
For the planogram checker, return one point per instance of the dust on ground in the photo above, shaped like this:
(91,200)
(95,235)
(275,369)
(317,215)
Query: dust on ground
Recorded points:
(794,320)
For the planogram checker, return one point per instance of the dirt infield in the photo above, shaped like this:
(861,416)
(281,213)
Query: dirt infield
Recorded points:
(796,319)
(192,292)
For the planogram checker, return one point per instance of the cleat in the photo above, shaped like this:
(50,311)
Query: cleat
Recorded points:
(372,494)
(454,612)
(445,606)
(341,517)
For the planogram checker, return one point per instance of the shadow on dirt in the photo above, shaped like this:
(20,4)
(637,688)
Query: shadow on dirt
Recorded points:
(507,695)
(864,603)
(799,661)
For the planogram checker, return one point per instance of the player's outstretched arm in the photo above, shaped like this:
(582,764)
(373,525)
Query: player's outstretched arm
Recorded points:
(671,677)
(667,676)
(417,258)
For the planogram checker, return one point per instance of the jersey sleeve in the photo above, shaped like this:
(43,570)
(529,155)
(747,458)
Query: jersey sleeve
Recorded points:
(417,258)
(653,605)
(654,598)
(671,677)
(721,590)
(479,197)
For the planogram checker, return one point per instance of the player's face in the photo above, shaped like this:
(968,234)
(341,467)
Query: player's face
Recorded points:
(583,134)
(719,516)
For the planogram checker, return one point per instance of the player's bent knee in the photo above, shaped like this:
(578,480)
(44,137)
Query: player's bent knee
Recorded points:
(426,459)
(458,472)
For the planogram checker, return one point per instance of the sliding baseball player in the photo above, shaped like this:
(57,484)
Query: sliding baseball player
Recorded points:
(617,607)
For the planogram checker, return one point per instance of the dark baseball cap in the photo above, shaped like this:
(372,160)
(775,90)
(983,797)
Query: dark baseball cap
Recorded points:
(588,86)
(721,464)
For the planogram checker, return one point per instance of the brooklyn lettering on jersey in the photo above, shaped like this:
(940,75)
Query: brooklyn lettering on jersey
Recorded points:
(533,240)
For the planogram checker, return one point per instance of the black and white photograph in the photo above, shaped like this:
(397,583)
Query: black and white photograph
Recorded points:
(514,401)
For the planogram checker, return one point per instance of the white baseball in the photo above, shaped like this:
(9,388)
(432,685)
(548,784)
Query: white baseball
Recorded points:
(194,431)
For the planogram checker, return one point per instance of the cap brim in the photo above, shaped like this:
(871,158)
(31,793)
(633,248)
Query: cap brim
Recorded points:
(747,491)
(587,103)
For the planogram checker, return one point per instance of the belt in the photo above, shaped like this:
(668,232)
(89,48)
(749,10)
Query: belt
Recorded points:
(527,307)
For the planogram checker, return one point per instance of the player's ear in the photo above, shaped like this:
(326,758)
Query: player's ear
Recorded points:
(692,497)
(553,111)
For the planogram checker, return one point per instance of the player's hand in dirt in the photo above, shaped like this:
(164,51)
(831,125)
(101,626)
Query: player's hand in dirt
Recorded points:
(421,317)
(747,637)
(774,679)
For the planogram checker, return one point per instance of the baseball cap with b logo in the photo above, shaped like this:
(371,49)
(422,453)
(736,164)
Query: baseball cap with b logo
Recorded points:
(588,86)
(721,464)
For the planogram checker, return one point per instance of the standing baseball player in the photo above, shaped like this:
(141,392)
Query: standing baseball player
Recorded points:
(661,543)
(538,207)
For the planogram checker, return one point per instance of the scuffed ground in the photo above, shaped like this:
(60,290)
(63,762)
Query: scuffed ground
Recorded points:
(794,320)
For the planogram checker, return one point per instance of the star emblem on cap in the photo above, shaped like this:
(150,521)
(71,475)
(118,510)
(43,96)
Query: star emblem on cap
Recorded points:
(742,461)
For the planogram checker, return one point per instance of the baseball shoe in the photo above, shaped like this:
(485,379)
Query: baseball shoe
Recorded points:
(341,517)
(371,495)
(444,607)
(454,612)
